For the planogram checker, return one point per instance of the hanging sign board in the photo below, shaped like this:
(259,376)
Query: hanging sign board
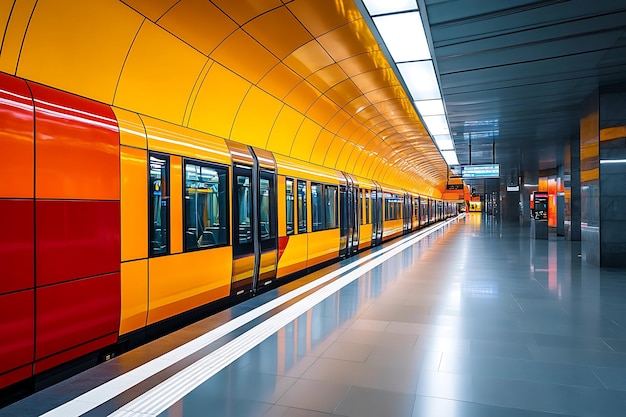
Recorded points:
(480,171)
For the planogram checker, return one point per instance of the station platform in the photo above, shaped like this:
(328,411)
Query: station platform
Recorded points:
(469,317)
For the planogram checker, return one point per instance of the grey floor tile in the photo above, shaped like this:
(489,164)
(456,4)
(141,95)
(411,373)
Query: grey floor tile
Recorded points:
(560,341)
(373,325)
(365,375)
(378,338)
(439,407)
(499,349)
(579,356)
(280,411)
(445,385)
(612,378)
(367,402)
(402,357)
(562,399)
(617,345)
(320,396)
(356,352)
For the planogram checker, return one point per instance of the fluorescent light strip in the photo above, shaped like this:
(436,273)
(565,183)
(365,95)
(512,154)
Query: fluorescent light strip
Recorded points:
(161,397)
(404,36)
(450,157)
(437,125)
(376,7)
(444,142)
(613,161)
(420,79)
(118,385)
(430,107)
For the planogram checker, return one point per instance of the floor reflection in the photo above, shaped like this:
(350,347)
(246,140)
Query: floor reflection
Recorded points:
(476,320)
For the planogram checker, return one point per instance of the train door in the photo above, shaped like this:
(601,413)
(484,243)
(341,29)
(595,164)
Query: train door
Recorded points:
(254,219)
(355,214)
(377,215)
(348,218)
(343,220)
(406,214)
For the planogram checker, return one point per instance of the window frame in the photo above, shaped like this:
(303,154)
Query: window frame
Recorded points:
(226,205)
(151,208)
(294,221)
(302,214)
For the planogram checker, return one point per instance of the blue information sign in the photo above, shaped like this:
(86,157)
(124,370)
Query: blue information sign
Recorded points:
(480,171)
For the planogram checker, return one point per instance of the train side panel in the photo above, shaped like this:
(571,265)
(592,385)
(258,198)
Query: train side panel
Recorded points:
(77,227)
(17,245)
(188,280)
(392,228)
(322,246)
(294,256)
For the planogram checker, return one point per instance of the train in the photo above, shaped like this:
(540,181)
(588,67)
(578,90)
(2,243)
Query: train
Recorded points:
(117,226)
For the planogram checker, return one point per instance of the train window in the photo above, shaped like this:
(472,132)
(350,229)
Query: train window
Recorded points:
(289,205)
(361,207)
(264,210)
(317,207)
(206,217)
(393,206)
(367,207)
(159,204)
(330,207)
(301,206)
(244,210)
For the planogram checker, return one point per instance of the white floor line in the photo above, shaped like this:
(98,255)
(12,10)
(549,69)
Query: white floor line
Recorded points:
(109,390)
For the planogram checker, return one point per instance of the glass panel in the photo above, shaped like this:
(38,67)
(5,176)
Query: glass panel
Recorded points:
(361,207)
(301,206)
(159,204)
(317,207)
(264,209)
(393,206)
(330,205)
(367,207)
(289,204)
(244,209)
(205,206)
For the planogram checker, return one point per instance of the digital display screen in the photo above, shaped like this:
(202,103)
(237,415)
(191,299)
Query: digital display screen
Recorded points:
(480,171)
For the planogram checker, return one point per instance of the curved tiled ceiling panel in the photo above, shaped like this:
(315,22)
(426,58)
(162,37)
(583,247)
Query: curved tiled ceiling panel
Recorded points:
(301,78)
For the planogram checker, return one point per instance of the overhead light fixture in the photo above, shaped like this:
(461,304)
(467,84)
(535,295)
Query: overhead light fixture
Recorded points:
(404,36)
(450,157)
(376,7)
(437,125)
(444,142)
(430,107)
(420,79)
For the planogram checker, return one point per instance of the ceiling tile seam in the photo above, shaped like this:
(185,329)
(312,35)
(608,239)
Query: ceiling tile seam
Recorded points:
(555,57)
(515,31)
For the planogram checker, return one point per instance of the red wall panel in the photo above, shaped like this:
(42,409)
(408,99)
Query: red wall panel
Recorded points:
(76,239)
(17,144)
(77,312)
(17,234)
(17,327)
(77,147)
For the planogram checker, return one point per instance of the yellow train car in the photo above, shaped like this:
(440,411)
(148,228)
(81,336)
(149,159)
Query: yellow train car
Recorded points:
(196,220)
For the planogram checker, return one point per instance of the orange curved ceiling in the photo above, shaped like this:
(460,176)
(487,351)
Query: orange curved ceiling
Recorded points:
(302,78)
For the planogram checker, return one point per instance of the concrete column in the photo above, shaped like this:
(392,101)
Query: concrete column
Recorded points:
(612,175)
(529,184)
(590,179)
(560,203)
(572,189)
(602,173)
